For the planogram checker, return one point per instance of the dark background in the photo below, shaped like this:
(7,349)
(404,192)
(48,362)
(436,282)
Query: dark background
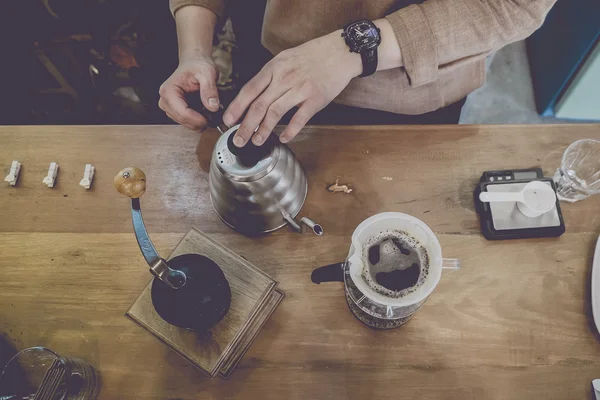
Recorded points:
(84,61)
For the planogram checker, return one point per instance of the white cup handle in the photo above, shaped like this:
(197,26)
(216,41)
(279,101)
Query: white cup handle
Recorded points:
(450,263)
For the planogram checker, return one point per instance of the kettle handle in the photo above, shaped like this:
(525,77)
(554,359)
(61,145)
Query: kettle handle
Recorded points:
(214,118)
(132,183)
(329,273)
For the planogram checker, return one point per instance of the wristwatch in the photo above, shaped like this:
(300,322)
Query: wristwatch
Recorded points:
(363,37)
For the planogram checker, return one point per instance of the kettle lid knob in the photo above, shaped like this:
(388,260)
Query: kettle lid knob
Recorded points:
(251,154)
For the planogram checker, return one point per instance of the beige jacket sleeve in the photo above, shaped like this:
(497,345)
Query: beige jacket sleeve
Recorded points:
(442,32)
(216,6)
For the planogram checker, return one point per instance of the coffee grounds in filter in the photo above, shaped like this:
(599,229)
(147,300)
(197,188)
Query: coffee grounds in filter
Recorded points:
(395,263)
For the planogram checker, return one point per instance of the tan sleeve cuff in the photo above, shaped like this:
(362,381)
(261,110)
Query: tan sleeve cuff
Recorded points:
(417,44)
(216,6)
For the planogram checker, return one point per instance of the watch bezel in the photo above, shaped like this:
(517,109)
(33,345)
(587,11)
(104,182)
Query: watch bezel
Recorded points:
(359,47)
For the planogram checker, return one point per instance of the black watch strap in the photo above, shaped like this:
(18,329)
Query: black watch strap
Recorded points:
(369,62)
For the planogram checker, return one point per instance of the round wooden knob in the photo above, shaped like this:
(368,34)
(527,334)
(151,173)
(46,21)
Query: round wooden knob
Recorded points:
(131,182)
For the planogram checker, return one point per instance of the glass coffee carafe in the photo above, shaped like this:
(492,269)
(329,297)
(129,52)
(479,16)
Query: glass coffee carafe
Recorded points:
(40,373)
(373,307)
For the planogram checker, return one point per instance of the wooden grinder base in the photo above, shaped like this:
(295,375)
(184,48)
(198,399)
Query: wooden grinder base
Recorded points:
(254,297)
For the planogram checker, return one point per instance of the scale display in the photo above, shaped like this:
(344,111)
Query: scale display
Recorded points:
(512,175)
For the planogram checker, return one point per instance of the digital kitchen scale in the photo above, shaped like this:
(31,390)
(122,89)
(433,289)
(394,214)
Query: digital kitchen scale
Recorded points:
(501,221)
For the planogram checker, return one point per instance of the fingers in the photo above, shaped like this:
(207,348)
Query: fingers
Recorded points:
(247,95)
(299,120)
(277,110)
(208,92)
(257,112)
(172,102)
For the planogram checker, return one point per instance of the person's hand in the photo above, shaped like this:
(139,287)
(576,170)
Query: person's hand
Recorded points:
(309,76)
(197,74)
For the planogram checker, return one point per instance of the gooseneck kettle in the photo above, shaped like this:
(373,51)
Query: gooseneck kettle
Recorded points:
(254,189)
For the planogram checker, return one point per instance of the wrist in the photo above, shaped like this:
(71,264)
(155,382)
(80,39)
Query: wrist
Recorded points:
(363,37)
(195,30)
(351,62)
(195,56)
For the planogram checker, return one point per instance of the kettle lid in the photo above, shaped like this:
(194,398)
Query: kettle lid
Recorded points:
(248,162)
(250,154)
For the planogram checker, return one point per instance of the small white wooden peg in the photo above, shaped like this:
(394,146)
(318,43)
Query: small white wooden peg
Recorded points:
(13,175)
(88,176)
(52,172)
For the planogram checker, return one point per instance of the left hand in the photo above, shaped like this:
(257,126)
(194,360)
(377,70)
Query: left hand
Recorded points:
(309,76)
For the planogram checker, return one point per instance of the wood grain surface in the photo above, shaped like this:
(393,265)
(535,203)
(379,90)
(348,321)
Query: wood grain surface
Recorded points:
(255,325)
(514,323)
(250,289)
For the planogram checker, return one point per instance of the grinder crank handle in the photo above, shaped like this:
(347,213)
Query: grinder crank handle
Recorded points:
(131,182)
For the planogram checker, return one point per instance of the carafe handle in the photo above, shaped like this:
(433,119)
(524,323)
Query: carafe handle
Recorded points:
(452,264)
(329,273)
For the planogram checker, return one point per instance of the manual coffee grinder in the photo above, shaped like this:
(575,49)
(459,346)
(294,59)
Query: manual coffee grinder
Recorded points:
(189,291)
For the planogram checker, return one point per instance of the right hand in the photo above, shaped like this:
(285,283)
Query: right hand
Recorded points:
(192,75)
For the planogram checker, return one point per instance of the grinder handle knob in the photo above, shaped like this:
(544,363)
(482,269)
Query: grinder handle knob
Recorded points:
(131,182)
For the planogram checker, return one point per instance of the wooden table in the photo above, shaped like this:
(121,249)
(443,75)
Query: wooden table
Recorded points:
(514,323)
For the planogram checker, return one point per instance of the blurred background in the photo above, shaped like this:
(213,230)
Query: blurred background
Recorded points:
(90,61)
(102,62)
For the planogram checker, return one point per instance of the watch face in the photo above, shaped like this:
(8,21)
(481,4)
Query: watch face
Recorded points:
(363,34)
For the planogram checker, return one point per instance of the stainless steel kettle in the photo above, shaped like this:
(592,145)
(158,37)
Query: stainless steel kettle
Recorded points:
(256,189)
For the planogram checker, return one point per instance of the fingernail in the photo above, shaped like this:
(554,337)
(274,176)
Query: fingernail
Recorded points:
(283,139)
(257,140)
(212,102)
(238,141)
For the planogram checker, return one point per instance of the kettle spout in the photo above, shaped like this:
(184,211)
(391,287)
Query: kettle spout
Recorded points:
(316,228)
(291,221)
